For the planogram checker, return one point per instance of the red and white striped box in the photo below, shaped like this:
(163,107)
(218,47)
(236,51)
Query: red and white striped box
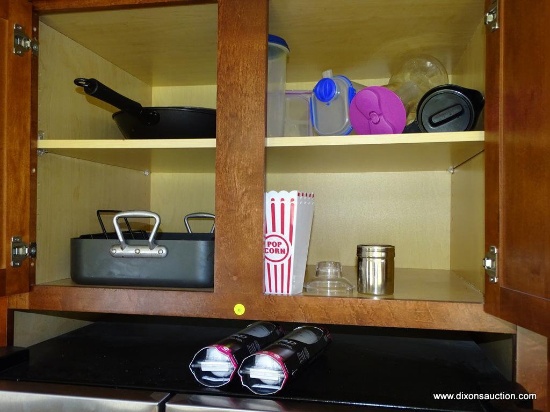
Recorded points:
(287,230)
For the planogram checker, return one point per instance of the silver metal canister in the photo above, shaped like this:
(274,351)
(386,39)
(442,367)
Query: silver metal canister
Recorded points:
(375,268)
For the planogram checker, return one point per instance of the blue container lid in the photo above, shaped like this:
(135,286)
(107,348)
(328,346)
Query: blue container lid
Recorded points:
(325,90)
(278,41)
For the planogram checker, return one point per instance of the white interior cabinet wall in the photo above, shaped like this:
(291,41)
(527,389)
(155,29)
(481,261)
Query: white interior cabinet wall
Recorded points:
(64,110)
(468,180)
(70,191)
(410,210)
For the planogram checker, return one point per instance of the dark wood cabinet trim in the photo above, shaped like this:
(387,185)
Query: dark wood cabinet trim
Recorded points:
(51,6)
(516,182)
(306,309)
(17,157)
(493,131)
(240,145)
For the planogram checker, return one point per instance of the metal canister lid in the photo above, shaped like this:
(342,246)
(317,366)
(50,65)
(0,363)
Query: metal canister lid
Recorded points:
(375,251)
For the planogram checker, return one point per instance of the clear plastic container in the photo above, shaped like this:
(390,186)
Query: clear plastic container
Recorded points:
(297,117)
(277,53)
(330,102)
(414,79)
(328,281)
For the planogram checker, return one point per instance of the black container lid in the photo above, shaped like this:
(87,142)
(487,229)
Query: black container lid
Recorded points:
(449,108)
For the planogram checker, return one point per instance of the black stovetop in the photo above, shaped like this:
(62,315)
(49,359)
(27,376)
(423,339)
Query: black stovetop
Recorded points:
(362,366)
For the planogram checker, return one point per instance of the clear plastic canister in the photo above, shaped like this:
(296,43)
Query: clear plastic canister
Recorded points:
(277,53)
(297,118)
(414,79)
(330,102)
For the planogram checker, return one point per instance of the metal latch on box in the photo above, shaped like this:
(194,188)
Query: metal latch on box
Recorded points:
(490,264)
(20,251)
(23,43)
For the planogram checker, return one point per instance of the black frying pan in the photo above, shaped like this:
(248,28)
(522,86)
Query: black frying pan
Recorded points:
(138,122)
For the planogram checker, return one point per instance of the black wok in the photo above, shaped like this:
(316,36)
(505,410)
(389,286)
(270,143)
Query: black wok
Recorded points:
(138,122)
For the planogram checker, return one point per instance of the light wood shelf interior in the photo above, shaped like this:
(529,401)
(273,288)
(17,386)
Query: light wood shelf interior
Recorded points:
(414,152)
(415,284)
(410,284)
(146,42)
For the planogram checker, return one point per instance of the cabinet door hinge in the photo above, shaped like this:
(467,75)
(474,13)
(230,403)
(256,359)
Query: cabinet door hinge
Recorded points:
(23,43)
(20,251)
(490,264)
(491,16)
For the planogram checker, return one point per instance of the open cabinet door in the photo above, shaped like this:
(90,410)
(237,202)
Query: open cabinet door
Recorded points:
(517,163)
(17,152)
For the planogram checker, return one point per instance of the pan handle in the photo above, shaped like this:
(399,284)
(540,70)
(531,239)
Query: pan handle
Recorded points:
(124,250)
(98,90)
(100,211)
(199,215)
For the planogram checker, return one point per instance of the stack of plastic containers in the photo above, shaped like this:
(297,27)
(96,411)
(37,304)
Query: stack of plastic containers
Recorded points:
(278,51)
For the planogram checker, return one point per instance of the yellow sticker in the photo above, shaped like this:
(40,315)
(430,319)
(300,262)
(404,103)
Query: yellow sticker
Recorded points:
(239,309)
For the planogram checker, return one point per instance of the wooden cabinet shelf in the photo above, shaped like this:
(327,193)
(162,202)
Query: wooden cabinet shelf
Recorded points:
(378,153)
(431,299)
(159,155)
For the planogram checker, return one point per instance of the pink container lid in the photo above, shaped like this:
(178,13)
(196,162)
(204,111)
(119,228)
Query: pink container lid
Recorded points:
(377,110)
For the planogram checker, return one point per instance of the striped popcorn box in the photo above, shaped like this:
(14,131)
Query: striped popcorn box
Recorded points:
(287,229)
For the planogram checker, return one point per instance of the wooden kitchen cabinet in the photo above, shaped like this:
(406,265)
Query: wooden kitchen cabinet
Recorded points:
(517,148)
(409,196)
(442,199)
